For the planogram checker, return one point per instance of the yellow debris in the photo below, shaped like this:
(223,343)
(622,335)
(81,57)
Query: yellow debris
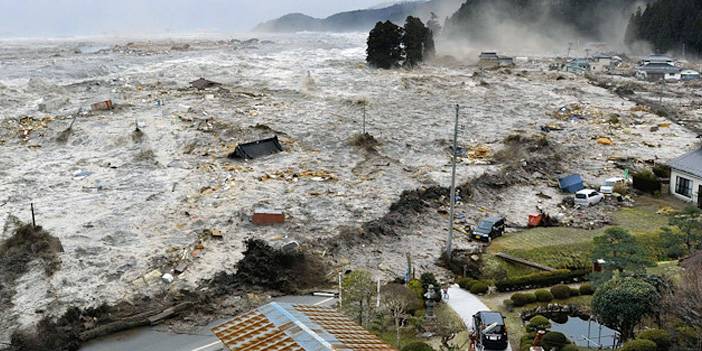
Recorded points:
(605,141)
(666,211)
(664,125)
(480,152)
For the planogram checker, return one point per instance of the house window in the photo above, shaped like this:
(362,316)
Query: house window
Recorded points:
(683,186)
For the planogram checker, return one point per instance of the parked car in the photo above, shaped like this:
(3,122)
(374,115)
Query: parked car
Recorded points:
(489,228)
(588,197)
(491,330)
(608,185)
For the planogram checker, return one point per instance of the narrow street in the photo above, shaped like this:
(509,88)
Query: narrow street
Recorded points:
(466,305)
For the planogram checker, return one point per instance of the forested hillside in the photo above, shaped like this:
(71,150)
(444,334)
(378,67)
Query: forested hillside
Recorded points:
(669,25)
(499,20)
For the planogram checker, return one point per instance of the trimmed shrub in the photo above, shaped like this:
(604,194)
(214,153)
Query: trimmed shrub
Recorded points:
(561,291)
(662,338)
(639,345)
(587,289)
(537,323)
(531,297)
(509,304)
(479,288)
(519,299)
(574,292)
(543,295)
(542,279)
(646,181)
(661,170)
(466,283)
(570,347)
(417,346)
(554,340)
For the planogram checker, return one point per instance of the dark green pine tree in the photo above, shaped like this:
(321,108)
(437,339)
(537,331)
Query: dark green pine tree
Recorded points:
(385,45)
(414,40)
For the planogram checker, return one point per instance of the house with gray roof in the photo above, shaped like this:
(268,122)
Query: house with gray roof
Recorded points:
(686,177)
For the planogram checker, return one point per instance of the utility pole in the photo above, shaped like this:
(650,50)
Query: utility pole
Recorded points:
(34,222)
(377,296)
(340,298)
(364,119)
(449,248)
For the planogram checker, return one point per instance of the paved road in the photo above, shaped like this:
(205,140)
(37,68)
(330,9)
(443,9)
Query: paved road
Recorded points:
(150,339)
(466,305)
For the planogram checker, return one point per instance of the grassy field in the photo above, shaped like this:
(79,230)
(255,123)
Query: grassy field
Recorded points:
(570,247)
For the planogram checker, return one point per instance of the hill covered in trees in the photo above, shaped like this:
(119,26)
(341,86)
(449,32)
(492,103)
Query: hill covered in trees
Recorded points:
(360,20)
(668,25)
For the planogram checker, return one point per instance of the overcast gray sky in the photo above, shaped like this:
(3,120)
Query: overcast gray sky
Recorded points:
(53,18)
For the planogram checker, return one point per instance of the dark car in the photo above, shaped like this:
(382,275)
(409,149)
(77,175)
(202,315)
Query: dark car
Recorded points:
(489,228)
(491,329)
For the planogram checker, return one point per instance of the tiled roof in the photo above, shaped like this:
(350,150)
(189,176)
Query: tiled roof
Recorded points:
(690,162)
(286,327)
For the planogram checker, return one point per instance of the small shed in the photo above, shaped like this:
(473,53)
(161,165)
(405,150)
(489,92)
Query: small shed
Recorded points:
(266,216)
(258,148)
(571,183)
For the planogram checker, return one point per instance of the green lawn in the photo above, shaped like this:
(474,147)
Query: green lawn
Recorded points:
(563,247)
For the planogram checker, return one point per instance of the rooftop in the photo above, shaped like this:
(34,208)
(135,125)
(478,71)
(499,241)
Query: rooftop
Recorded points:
(278,326)
(690,162)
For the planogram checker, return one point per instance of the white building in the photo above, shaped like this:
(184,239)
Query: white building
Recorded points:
(686,177)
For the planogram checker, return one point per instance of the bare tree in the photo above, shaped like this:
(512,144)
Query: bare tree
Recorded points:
(685,300)
(447,325)
(358,290)
(398,300)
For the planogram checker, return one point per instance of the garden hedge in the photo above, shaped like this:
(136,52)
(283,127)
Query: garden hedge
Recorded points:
(662,338)
(543,295)
(541,279)
(479,288)
(639,345)
(586,289)
(560,292)
(554,340)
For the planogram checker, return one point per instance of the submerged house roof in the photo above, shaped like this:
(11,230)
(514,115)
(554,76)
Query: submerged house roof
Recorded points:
(488,56)
(690,163)
(659,67)
(203,83)
(279,327)
(657,58)
(258,148)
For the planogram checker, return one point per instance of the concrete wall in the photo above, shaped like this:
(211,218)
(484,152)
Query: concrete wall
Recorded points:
(696,182)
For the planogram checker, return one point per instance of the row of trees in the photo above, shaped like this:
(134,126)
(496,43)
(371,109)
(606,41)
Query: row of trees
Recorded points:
(668,25)
(390,45)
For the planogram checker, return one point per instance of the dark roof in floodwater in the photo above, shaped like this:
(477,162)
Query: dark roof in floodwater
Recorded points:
(203,83)
(659,67)
(258,148)
(690,162)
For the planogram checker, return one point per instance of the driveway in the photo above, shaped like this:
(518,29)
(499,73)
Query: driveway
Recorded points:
(466,305)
